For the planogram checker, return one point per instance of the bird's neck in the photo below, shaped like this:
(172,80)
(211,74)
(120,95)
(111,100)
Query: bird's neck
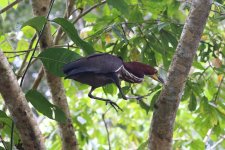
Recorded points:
(128,76)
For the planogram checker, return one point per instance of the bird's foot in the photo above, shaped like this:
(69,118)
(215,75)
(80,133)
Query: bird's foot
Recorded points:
(114,105)
(136,97)
(139,98)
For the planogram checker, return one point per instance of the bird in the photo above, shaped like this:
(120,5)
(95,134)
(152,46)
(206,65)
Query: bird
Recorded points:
(100,69)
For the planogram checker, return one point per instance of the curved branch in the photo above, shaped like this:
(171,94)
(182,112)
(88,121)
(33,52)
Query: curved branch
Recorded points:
(18,107)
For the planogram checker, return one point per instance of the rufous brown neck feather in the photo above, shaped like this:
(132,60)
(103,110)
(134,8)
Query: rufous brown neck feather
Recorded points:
(139,69)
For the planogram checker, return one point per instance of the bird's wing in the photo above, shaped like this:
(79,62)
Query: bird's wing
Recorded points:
(75,72)
(97,63)
(78,63)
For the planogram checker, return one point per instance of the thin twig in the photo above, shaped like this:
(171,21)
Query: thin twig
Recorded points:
(9,6)
(15,56)
(3,143)
(21,51)
(212,67)
(218,12)
(203,72)
(107,130)
(38,79)
(88,10)
(207,136)
(31,49)
(12,135)
(218,91)
(35,48)
(68,12)
(218,142)
(19,73)
(80,9)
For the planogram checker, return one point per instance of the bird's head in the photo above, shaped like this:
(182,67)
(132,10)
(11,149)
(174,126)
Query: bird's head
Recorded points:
(157,78)
(153,73)
(140,69)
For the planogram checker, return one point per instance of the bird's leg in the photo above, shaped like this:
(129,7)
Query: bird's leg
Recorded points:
(113,104)
(117,82)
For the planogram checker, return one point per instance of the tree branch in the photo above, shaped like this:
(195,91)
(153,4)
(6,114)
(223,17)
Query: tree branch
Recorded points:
(18,107)
(218,142)
(70,5)
(23,65)
(3,142)
(39,78)
(69,142)
(161,131)
(218,91)
(9,6)
(86,12)
(106,127)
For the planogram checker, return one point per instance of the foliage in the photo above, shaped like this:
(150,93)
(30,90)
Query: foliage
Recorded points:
(43,106)
(146,31)
(54,61)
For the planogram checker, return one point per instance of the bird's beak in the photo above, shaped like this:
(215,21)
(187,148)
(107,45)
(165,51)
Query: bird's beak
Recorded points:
(157,78)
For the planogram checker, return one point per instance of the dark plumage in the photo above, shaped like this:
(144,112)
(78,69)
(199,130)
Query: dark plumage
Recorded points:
(100,69)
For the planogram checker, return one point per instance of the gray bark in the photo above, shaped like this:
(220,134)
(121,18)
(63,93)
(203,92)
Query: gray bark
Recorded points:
(67,131)
(161,130)
(21,113)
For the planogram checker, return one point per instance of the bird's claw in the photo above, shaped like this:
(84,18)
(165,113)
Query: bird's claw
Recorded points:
(114,105)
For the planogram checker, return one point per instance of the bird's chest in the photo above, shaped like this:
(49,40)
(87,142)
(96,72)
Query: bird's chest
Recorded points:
(92,79)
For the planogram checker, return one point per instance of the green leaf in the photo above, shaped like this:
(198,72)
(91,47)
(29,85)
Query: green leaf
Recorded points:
(44,106)
(145,106)
(196,88)
(2,148)
(6,127)
(154,6)
(192,103)
(3,114)
(154,96)
(71,31)
(120,5)
(213,117)
(109,89)
(197,144)
(204,105)
(198,65)
(119,33)
(167,38)
(155,44)
(125,90)
(37,23)
(55,58)
(143,146)
(7,145)
(162,25)
(136,15)
(187,93)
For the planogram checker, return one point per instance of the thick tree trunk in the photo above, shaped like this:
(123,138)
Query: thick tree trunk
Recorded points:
(18,107)
(67,132)
(161,131)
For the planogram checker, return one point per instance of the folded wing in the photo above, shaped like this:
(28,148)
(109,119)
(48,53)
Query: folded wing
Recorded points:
(97,63)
